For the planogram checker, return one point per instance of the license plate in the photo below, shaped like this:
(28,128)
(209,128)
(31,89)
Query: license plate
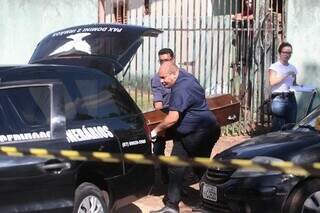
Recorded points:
(210,192)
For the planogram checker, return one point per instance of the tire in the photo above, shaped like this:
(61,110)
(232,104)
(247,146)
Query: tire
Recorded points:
(90,199)
(305,198)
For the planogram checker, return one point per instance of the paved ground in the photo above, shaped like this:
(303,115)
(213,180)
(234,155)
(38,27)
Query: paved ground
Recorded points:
(154,200)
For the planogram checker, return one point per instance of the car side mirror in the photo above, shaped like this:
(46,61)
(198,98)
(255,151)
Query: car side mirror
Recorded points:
(287,126)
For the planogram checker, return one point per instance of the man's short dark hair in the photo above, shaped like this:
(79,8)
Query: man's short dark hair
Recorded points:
(166,51)
(283,45)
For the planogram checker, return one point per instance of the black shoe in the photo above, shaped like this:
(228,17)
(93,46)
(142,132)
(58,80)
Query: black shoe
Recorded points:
(198,208)
(166,209)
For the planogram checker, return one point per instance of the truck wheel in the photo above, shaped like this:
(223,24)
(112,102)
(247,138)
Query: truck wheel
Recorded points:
(305,198)
(90,199)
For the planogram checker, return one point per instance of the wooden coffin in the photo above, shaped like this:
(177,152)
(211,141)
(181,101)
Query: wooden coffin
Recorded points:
(225,107)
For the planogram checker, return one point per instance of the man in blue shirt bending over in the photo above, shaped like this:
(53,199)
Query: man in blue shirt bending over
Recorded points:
(195,128)
(161,96)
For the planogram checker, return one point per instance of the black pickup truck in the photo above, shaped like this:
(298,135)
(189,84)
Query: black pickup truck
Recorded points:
(68,98)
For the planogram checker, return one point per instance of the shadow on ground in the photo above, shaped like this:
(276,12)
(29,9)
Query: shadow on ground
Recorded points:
(130,208)
(190,200)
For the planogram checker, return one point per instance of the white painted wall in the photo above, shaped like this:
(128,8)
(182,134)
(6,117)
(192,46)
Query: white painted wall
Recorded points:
(303,32)
(23,23)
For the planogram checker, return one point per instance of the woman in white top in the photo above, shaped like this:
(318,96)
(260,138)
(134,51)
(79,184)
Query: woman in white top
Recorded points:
(282,75)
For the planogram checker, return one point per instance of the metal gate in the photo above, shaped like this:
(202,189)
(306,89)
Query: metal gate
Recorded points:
(227,44)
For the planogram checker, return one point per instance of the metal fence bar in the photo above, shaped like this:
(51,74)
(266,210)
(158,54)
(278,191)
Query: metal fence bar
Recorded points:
(136,63)
(187,25)
(251,64)
(230,74)
(181,34)
(155,43)
(223,46)
(142,83)
(194,37)
(212,46)
(206,61)
(200,39)
(218,47)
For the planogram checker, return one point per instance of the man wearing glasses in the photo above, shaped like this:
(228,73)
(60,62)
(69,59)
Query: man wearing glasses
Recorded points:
(282,75)
(161,96)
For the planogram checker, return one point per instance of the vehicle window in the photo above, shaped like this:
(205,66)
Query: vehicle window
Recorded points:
(100,98)
(69,106)
(313,122)
(89,93)
(24,109)
(316,101)
(317,123)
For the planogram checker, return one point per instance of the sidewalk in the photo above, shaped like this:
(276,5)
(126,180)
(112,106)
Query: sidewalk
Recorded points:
(152,202)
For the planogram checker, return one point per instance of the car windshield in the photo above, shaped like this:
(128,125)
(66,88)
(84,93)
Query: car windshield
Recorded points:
(312,121)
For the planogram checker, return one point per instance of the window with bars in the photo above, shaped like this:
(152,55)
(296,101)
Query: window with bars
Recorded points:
(147,10)
(120,12)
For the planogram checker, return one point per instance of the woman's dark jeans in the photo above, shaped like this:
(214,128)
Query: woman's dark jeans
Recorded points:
(284,110)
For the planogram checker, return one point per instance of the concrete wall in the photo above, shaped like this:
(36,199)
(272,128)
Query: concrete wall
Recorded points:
(303,33)
(23,23)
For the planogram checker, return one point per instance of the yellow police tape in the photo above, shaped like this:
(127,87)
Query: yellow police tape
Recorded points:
(284,167)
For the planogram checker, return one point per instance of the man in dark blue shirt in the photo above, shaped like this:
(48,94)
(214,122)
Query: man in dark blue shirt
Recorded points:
(195,127)
(160,93)
(161,96)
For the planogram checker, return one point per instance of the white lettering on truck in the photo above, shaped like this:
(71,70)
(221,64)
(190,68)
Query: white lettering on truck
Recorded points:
(73,135)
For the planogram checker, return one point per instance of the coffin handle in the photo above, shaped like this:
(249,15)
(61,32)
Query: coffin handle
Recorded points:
(232,117)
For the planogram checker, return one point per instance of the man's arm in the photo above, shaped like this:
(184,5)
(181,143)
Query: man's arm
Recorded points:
(168,121)
(157,90)
(158,105)
(295,78)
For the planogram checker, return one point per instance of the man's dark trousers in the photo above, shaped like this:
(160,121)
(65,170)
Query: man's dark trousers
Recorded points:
(195,144)
(161,170)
